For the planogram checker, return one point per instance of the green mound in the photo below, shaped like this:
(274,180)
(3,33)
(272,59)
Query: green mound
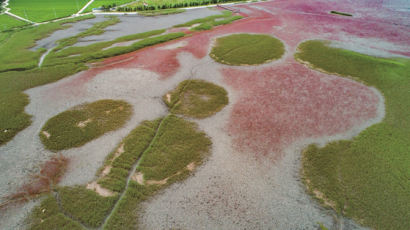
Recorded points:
(84,123)
(247,49)
(196,98)
(365,178)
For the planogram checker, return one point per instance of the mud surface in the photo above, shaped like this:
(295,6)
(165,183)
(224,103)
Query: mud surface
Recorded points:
(251,180)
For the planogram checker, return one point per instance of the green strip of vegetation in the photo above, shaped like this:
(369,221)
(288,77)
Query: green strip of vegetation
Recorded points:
(133,145)
(96,29)
(210,24)
(208,19)
(84,50)
(247,49)
(196,98)
(340,13)
(111,52)
(81,124)
(85,205)
(367,177)
(150,13)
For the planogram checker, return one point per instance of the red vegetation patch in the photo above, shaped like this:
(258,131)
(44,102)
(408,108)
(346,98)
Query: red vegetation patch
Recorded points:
(279,105)
(50,174)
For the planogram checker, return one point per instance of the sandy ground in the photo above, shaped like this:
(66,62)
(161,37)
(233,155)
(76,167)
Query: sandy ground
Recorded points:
(234,189)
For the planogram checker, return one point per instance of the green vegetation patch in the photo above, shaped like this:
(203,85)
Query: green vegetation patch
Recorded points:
(196,98)
(150,13)
(84,123)
(247,49)
(7,22)
(45,10)
(367,177)
(340,13)
(85,205)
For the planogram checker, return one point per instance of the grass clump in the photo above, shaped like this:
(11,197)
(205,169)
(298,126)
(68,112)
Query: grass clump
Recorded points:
(247,49)
(367,177)
(84,123)
(133,145)
(341,13)
(196,98)
(85,205)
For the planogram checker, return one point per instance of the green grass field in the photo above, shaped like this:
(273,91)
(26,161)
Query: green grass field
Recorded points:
(151,13)
(196,98)
(99,3)
(366,178)
(7,22)
(83,123)
(45,10)
(247,49)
